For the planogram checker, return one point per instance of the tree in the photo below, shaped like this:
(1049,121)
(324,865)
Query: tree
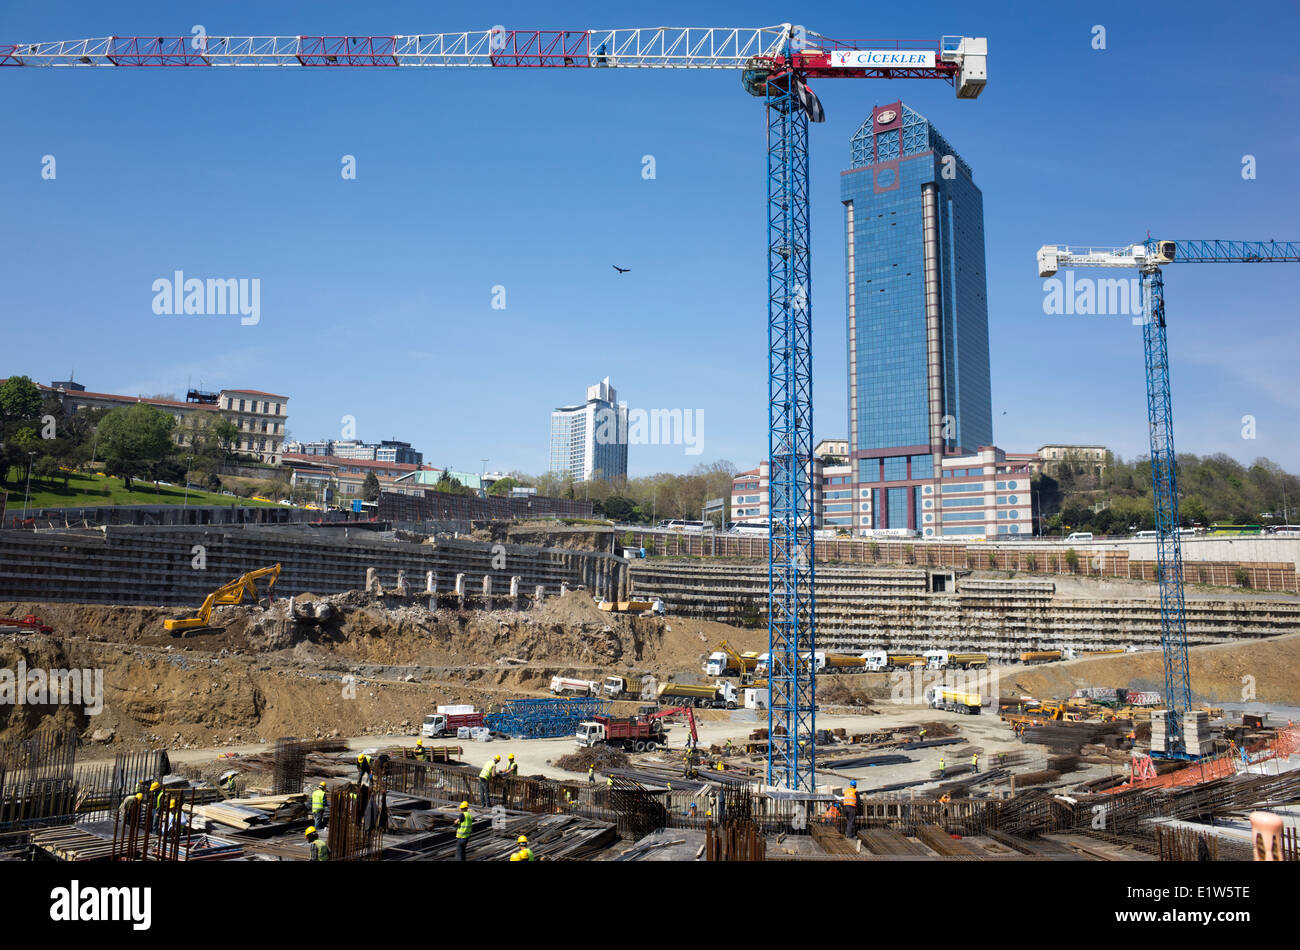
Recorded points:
(370,487)
(20,400)
(134,439)
(619,508)
(503,486)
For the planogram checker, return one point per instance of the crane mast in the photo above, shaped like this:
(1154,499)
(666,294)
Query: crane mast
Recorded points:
(775,64)
(1147,258)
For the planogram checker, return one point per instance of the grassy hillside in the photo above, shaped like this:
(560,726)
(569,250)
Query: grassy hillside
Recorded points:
(87,490)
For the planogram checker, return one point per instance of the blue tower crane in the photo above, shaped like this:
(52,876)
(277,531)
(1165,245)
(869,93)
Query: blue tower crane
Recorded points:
(1147,258)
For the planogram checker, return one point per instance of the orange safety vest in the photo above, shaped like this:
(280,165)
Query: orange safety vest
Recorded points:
(850,798)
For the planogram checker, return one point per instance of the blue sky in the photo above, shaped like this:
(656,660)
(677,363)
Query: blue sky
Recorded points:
(376,293)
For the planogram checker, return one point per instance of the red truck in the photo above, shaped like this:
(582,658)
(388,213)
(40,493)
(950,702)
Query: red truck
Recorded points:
(637,733)
(446,724)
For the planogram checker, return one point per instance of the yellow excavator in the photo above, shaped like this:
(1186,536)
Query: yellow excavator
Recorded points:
(232,593)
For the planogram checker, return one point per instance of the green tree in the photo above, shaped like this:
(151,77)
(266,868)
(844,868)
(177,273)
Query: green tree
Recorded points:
(370,487)
(134,439)
(1072,559)
(503,486)
(20,400)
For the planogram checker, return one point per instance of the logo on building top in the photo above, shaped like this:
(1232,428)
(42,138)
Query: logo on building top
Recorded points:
(886,117)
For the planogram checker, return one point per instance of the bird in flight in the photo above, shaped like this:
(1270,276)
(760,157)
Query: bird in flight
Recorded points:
(621,270)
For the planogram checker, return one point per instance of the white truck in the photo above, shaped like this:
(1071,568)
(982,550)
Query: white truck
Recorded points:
(564,686)
(448,720)
(765,662)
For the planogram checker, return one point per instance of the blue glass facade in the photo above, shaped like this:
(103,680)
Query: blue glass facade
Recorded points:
(909,378)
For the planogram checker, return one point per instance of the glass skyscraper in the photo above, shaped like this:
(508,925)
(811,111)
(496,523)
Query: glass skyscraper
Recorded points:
(917,315)
(589,440)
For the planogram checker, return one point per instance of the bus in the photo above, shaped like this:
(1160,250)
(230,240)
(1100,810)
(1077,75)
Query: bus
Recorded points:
(1224,529)
(1285,530)
(678,525)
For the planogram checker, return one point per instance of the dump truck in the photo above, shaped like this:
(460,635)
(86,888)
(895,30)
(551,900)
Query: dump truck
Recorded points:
(564,686)
(440,724)
(841,663)
(718,696)
(642,733)
(954,700)
(725,661)
(1040,656)
(943,660)
(878,661)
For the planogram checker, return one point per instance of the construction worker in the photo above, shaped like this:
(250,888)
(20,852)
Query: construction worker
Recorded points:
(851,809)
(974,761)
(591,773)
(720,767)
(922,735)
(319,849)
(484,778)
(318,806)
(942,768)
(512,767)
(130,805)
(833,814)
(420,754)
(230,784)
(363,768)
(158,792)
(464,825)
(728,748)
(525,853)
(691,810)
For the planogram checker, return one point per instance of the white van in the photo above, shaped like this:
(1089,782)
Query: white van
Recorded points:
(1080,536)
(1141,535)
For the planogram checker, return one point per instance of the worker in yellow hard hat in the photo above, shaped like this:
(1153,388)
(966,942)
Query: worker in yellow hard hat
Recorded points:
(318,805)
(485,776)
(319,849)
(156,789)
(512,767)
(420,754)
(464,825)
(524,853)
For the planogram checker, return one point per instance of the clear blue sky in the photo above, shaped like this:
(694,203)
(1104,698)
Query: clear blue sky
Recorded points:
(376,292)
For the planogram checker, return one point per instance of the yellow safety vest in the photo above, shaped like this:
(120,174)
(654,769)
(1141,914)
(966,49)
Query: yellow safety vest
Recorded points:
(463,827)
(318,800)
(487,769)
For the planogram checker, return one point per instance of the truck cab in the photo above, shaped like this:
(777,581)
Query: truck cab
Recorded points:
(936,659)
(876,660)
(614,686)
(716,665)
(590,734)
(433,726)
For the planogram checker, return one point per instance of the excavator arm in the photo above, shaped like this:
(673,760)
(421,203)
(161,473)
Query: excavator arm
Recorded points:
(690,719)
(232,593)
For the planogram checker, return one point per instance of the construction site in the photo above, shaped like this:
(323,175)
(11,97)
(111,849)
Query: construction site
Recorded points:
(989,719)
(456,677)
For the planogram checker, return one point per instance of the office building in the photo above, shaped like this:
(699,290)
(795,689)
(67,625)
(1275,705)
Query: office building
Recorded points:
(589,440)
(917,318)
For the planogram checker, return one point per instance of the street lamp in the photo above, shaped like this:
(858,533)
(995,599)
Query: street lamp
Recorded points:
(31,456)
(189,460)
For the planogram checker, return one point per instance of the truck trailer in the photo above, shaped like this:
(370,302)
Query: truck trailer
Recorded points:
(943,660)
(954,700)
(721,695)
(564,686)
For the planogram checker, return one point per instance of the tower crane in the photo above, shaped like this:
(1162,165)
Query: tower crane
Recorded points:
(1147,258)
(776,63)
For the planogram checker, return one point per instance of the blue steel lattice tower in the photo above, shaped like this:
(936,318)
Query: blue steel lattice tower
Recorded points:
(917,319)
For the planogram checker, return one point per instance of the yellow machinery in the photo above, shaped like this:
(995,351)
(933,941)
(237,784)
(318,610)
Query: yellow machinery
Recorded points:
(232,593)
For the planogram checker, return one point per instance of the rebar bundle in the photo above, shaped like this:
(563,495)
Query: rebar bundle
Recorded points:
(734,840)
(357,817)
(290,765)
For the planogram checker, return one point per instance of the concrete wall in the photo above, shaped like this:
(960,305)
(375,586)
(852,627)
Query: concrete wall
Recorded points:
(860,608)
(155,565)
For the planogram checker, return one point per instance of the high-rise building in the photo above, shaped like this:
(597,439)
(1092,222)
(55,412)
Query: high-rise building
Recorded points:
(589,440)
(917,317)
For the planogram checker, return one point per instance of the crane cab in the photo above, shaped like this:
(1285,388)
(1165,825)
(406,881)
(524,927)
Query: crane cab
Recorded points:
(1164,252)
